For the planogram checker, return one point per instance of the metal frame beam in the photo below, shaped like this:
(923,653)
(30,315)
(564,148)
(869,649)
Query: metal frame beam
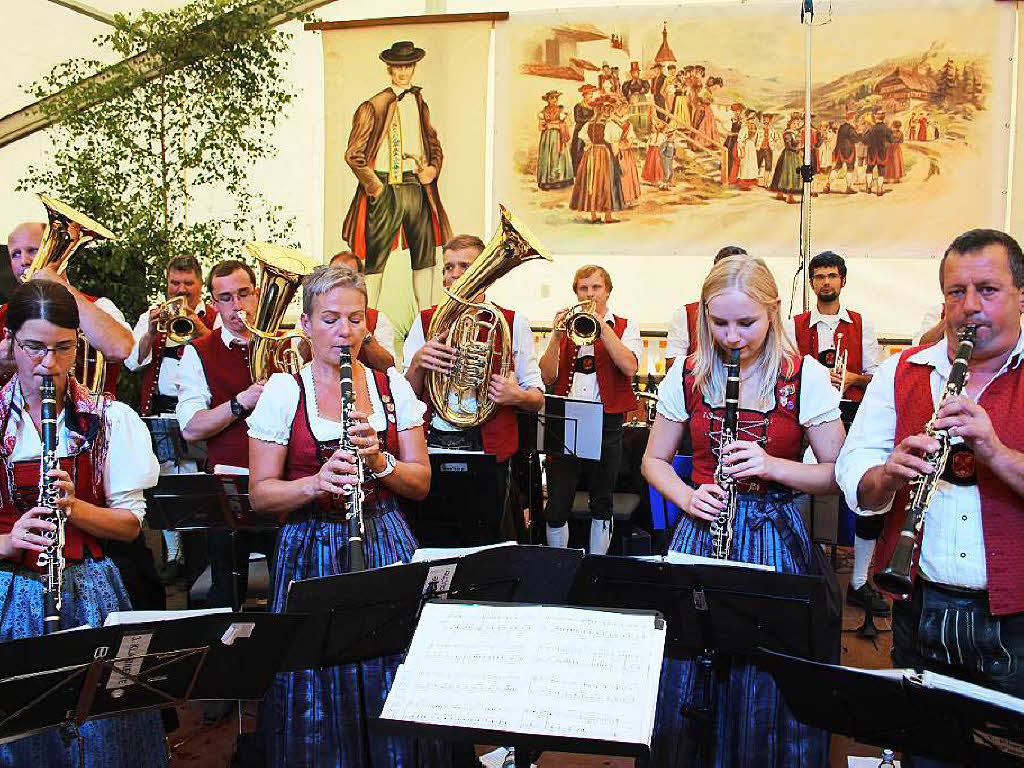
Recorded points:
(86,10)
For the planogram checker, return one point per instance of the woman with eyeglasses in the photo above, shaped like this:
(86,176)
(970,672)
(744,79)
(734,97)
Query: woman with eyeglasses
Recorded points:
(105,463)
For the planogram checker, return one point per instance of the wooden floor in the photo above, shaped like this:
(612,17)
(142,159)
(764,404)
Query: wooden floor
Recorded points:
(194,744)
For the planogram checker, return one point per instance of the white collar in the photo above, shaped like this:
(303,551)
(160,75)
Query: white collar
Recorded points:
(227,336)
(817,317)
(937,357)
(391,87)
(609,316)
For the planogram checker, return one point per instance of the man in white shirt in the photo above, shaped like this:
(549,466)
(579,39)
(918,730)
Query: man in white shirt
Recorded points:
(965,612)
(395,154)
(600,372)
(520,390)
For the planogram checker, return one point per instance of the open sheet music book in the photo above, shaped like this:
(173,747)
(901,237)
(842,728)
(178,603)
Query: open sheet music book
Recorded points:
(429,554)
(531,669)
(684,558)
(938,682)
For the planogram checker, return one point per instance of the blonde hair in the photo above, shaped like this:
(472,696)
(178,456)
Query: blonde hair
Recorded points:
(751,276)
(589,269)
(325,279)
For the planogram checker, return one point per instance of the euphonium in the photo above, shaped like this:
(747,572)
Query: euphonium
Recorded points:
(581,325)
(471,327)
(68,230)
(895,579)
(722,527)
(173,321)
(840,364)
(281,271)
(51,559)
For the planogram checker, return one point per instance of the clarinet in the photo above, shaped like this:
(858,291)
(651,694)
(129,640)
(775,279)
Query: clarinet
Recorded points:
(895,579)
(353,495)
(722,526)
(51,559)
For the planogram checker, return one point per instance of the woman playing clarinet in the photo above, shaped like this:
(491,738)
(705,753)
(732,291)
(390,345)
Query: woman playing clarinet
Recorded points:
(299,472)
(782,400)
(99,474)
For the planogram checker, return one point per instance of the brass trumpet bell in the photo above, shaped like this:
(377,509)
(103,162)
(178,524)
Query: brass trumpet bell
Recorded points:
(173,321)
(272,350)
(581,325)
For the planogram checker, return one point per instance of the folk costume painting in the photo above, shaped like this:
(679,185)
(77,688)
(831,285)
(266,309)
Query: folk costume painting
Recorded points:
(404,142)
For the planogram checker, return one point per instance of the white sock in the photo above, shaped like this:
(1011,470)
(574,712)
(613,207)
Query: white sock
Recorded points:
(600,536)
(863,551)
(558,537)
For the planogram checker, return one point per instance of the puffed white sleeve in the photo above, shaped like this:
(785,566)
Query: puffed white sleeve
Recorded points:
(111,309)
(130,465)
(409,409)
(819,400)
(678,335)
(271,419)
(671,395)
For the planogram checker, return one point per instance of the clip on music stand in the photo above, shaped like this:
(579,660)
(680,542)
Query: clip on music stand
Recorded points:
(368,614)
(893,709)
(714,611)
(67,678)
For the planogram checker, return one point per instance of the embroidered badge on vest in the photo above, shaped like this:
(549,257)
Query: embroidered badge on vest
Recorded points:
(827,357)
(786,399)
(389,407)
(586,364)
(961,466)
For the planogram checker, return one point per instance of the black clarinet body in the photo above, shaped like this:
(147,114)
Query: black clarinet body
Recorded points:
(895,579)
(51,559)
(722,526)
(353,498)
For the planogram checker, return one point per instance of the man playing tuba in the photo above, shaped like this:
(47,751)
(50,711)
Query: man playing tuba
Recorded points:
(499,436)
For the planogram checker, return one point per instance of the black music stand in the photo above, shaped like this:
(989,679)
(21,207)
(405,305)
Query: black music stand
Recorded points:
(560,422)
(67,678)
(714,611)
(892,709)
(463,508)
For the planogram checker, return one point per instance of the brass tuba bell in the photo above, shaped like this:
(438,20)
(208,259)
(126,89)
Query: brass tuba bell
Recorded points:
(460,397)
(67,231)
(272,350)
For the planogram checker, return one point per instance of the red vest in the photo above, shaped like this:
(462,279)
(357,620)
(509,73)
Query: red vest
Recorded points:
(1002,510)
(151,372)
(25,477)
(306,455)
(853,337)
(778,431)
(227,373)
(616,389)
(692,313)
(500,434)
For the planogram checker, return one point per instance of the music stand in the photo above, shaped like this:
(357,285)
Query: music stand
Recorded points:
(570,427)
(896,709)
(65,679)
(463,508)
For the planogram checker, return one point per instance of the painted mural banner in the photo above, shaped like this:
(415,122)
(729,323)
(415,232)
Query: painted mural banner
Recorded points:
(677,130)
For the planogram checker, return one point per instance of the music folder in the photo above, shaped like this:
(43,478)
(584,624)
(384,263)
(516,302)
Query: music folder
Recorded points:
(570,427)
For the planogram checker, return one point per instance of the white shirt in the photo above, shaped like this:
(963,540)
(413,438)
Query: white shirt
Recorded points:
(193,390)
(408,115)
(167,383)
(524,360)
(871,355)
(130,464)
(271,421)
(585,385)
(952,550)
(384,333)
(819,400)
(678,341)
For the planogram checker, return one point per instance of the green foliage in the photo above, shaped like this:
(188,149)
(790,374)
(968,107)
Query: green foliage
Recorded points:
(160,146)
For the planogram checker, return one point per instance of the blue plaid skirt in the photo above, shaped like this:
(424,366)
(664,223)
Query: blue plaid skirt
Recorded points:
(92,589)
(319,717)
(751,724)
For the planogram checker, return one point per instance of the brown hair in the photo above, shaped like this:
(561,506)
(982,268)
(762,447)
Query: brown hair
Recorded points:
(185,264)
(41,300)
(586,271)
(346,257)
(227,267)
(460,242)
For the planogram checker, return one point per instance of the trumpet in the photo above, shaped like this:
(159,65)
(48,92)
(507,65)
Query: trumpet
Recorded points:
(840,364)
(580,324)
(173,321)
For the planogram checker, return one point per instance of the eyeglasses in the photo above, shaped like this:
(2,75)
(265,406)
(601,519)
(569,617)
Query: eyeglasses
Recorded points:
(227,298)
(37,350)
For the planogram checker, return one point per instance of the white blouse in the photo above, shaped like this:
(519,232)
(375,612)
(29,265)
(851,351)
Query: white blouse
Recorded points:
(271,421)
(130,464)
(819,400)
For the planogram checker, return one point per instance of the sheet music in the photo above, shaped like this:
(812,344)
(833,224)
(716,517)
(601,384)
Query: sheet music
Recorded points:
(939,682)
(684,558)
(429,554)
(544,670)
(141,617)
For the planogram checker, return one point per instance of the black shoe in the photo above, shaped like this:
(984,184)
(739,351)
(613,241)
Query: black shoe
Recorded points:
(867,598)
(215,711)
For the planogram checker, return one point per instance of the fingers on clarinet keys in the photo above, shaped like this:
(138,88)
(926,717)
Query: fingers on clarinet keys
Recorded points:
(707,501)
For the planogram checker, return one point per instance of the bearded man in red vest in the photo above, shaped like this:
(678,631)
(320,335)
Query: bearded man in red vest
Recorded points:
(379,345)
(102,323)
(601,372)
(521,389)
(965,614)
(682,329)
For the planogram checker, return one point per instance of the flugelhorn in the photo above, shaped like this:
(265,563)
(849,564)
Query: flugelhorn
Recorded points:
(581,325)
(272,350)
(840,363)
(173,321)
(474,328)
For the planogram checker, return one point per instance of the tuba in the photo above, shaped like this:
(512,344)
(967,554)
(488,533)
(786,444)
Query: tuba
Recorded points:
(173,321)
(581,325)
(281,271)
(473,328)
(66,231)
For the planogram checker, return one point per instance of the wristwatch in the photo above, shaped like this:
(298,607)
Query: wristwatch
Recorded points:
(237,409)
(389,467)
